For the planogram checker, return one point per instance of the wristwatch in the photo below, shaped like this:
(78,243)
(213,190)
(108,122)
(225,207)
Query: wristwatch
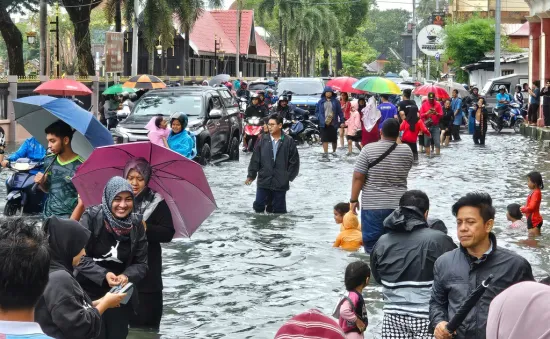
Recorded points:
(353,201)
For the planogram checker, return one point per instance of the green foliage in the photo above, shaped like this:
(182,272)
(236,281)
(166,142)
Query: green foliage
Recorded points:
(356,51)
(383,28)
(393,65)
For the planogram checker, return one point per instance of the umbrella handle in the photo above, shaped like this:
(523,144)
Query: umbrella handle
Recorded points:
(35,186)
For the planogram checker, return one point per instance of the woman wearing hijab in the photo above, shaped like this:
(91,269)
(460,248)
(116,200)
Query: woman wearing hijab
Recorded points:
(65,310)
(157,219)
(370,116)
(115,254)
(180,140)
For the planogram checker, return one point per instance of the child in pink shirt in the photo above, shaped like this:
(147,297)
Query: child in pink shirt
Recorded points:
(158,131)
(353,125)
(352,313)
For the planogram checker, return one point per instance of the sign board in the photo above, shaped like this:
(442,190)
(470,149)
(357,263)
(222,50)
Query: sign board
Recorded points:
(114,44)
(438,18)
(430,40)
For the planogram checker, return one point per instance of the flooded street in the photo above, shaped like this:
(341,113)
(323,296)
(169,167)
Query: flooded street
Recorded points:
(242,275)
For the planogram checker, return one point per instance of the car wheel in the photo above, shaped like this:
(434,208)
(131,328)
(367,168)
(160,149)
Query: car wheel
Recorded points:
(11,208)
(206,155)
(234,149)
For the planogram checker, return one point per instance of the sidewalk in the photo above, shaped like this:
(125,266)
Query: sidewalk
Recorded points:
(534,132)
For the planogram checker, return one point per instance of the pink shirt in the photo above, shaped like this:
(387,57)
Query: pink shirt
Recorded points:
(353,123)
(157,134)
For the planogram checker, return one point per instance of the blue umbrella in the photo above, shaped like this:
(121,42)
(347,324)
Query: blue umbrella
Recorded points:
(35,113)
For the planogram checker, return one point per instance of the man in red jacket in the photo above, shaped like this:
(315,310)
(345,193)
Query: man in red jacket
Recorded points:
(430,112)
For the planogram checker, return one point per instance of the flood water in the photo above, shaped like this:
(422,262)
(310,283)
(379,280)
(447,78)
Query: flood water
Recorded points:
(242,275)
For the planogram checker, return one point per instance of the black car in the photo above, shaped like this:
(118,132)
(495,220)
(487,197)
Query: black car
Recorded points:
(213,114)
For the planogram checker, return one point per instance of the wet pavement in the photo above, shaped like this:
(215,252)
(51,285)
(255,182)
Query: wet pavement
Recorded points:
(242,275)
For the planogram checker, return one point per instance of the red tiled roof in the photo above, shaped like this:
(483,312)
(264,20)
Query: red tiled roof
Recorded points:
(522,31)
(205,29)
(262,48)
(227,19)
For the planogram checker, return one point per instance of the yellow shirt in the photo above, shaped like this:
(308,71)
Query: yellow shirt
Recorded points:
(349,240)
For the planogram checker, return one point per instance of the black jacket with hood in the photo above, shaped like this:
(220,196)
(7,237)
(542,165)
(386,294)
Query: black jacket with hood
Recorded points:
(457,274)
(92,271)
(65,311)
(274,174)
(402,261)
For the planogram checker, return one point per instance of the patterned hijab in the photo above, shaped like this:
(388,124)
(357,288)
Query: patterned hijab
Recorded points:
(119,227)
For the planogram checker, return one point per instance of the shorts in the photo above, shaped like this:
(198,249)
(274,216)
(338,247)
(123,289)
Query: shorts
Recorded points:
(531,226)
(436,136)
(329,134)
(354,138)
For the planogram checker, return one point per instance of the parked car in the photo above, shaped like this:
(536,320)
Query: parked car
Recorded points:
(255,86)
(306,92)
(214,118)
(490,90)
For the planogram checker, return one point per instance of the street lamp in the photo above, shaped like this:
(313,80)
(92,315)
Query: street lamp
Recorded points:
(159,50)
(31,37)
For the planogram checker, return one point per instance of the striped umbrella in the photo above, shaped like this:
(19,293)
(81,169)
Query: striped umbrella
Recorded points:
(145,81)
(377,85)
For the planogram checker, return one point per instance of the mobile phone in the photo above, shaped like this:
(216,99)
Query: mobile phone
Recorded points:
(128,288)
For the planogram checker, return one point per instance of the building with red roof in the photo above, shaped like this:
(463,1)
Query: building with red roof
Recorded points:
(212,48)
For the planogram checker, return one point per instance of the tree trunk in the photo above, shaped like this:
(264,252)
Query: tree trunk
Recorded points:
(186,71)
(308,60)
(286,50)
(43,37)
(118,17)
(14,43)
(80,17)
(151,60)
(339,63)
(324,69)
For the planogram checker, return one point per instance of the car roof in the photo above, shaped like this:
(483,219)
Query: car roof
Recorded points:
(299,79)
(186,89)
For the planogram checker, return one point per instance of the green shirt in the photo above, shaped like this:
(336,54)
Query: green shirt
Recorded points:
(62,195)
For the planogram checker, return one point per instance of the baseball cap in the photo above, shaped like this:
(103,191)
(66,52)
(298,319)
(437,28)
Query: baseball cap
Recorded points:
(431,95)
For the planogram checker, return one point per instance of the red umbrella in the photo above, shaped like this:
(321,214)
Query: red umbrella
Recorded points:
(63,87)
(440,92)
(344,84)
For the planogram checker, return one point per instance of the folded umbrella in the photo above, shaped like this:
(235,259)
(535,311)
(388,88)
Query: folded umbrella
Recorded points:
(440,92)
(180,181)
(63,87)
(37,112)
(467,305)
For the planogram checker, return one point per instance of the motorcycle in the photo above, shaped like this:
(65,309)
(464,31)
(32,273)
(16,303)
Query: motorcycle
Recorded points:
(252,129)
(243,104)
(302,130)
(511,118)
(21,197)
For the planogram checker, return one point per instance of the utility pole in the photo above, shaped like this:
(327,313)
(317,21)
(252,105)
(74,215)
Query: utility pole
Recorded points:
(238,54)
(280,43)
(497,39)
(414,41)
(43,36)
(56,31)
(135,39)
(437,5)
(215,55)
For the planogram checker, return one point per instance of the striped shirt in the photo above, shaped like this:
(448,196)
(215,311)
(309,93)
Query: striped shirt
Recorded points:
(387,181)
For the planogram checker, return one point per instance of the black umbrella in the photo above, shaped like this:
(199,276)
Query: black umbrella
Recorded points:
(467,305)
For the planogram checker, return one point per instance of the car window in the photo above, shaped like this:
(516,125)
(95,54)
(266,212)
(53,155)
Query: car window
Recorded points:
(216,103)
(228,99)
(302,87)
(257,86)
(168,103)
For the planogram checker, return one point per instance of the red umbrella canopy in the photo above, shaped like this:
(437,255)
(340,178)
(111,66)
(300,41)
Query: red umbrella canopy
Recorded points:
(440,92)
(344,84)
(63,87)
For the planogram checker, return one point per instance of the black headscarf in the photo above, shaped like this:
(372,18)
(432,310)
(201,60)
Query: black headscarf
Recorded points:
(412,117)
(66,238)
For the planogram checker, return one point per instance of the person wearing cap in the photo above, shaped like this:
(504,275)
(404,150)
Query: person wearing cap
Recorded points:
(430,113)
(180,140)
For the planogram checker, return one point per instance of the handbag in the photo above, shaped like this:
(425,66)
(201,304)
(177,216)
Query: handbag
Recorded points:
(429,122)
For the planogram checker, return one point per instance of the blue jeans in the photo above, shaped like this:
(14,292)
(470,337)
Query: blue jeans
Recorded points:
(270,201)
(372,226)
(471,121)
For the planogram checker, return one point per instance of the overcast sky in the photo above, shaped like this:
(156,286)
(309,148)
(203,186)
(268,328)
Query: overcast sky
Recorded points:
(382,4)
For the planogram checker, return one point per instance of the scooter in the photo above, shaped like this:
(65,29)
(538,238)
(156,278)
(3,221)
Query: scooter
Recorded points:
(512,118)
(252,129)
(302,130)
(21,197)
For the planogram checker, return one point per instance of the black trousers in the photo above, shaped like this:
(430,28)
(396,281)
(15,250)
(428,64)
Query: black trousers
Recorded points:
(414,149)
(270,201)
(112,123)
(546,113)
(455,131)
(114,322)
(149,311)
(533,113)
(479,137)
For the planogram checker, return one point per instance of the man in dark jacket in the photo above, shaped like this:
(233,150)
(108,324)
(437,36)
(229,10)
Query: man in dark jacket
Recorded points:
(467,104)
(402,262)
(276,162)
(460,271)
(256,109)
(330,115)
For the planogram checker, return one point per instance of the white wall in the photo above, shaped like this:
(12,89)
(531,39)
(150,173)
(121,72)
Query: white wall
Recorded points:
(480,76)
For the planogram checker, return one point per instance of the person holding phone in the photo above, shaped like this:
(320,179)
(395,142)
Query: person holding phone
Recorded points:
(65,310)
(116,253)
(430,113)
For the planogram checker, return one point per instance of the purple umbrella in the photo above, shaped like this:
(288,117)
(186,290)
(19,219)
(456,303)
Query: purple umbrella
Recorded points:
(180,181)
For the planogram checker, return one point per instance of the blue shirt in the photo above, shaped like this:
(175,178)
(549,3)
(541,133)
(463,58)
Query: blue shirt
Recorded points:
(535,100)
(275,146)
(456,104)
(387,110)
(21,330)
(502,96)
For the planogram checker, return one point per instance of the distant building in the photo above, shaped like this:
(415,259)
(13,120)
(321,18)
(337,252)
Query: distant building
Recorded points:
(512,11)
(484,69)
(539,40)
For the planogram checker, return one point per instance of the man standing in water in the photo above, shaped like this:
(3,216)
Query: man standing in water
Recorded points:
(62,198)
(458,272)
(330,115)
(381,173)
(276,162)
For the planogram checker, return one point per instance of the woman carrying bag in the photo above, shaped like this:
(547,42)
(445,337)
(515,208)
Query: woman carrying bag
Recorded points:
(116,254)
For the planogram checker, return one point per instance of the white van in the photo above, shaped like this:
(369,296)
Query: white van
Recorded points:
(490,90)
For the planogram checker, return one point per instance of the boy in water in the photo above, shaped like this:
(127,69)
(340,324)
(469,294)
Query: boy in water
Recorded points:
(62,198)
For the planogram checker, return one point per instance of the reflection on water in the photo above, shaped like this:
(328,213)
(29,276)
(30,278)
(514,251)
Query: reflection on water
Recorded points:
(243,274)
